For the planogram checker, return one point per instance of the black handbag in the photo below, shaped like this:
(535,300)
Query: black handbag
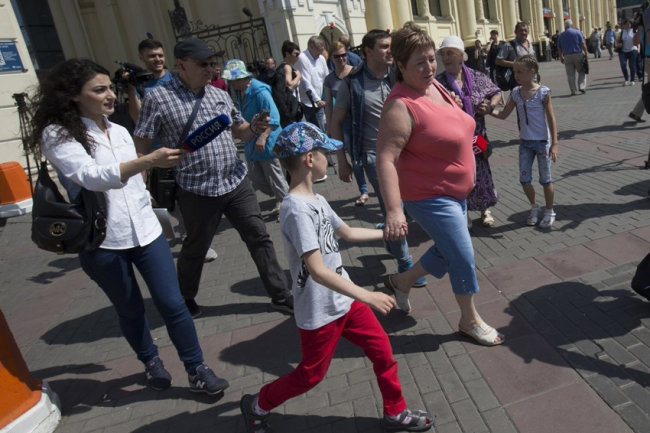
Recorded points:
(63,227)
(161,183)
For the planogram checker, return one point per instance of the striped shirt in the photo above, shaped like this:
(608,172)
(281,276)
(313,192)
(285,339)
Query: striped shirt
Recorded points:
(213,170)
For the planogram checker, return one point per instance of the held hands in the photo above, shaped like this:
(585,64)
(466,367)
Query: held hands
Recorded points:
(483,108)
(396,226)
(380,302)
(166,157)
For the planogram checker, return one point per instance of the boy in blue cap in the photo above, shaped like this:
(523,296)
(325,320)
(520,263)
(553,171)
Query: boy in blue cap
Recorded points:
(327,305)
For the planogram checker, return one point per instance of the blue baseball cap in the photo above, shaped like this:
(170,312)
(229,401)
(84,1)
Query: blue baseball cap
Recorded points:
(302,137)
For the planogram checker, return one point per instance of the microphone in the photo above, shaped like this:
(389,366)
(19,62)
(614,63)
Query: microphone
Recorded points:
(206,133)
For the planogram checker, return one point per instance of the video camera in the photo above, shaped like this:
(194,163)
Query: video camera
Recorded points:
(136,75)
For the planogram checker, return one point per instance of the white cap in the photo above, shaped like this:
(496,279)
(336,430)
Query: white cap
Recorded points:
(454,41)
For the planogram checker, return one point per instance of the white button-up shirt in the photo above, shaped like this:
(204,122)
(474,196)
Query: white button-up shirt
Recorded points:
(131,221)
(313,73)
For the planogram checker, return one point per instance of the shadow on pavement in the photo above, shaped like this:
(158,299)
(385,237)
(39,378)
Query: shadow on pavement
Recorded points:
(589,328)
(211,420)
(64,265)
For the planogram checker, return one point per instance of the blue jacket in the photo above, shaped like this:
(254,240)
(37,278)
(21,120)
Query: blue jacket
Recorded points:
(258,97)
(354,81)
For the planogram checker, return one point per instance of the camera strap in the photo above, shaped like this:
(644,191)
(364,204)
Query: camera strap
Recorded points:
(195,110)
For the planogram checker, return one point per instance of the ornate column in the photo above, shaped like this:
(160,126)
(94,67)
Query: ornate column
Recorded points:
(423,9)
(538,14)
(480,12)
(558,10)
(467,21)
(70,29)
(401,13)
(378,14)
(574,13)
(509,19)
(597,11)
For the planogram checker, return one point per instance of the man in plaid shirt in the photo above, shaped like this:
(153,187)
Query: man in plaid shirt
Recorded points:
(212,180)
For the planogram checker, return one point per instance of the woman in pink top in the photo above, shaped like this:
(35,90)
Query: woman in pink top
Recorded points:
(425,157)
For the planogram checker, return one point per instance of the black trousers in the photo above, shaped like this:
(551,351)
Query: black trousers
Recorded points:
(202,214)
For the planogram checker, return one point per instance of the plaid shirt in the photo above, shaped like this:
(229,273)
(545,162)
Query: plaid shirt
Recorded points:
(216,168)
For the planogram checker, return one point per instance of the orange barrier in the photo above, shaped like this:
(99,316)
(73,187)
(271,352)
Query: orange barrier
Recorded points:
(14,185)
(20,391)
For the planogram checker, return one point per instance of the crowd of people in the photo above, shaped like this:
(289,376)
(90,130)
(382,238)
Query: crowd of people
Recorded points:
(385,114)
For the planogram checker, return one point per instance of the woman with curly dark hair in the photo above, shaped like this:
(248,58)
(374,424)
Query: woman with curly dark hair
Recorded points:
(71,129)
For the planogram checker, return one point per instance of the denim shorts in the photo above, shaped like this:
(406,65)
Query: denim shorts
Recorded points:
(528,150)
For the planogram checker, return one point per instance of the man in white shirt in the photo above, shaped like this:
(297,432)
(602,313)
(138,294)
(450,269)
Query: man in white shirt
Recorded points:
(313,67)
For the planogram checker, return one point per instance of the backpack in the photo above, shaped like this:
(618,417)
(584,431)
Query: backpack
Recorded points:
(285,100)
(504,76)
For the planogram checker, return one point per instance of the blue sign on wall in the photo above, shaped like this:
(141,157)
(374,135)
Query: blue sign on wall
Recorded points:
(9,57)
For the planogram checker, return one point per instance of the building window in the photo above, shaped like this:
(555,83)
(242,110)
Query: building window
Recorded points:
(414,8)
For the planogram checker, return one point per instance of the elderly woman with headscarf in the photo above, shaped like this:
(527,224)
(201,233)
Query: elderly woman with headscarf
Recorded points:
(479,96)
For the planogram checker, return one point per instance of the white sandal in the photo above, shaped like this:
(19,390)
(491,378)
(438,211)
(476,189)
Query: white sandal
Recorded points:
(487,218)
(483,334)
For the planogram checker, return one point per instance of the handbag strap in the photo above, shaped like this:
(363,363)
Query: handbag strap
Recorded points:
(195,110)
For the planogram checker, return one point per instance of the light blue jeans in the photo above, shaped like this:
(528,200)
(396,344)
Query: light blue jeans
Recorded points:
(445,220)
(398,249)
(528,151)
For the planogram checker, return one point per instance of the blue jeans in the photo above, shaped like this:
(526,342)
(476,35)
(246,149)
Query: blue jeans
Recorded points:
(626,58)
(113,271)
(398,249)
(445,220)
(528,150)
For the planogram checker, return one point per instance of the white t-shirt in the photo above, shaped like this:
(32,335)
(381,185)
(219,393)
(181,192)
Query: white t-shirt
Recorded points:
(307,225)
(131,221)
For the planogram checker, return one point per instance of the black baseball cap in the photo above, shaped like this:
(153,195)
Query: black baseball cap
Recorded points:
(192,48)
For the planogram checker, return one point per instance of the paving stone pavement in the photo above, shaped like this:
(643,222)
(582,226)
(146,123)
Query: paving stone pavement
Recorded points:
(577,355)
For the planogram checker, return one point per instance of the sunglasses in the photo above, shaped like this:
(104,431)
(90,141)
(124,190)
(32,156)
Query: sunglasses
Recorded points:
(339,56)
(206,64)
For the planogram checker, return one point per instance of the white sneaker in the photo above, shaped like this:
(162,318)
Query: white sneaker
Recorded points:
(548,220)
(627,83)
(533,217)
(322,179)
(210,256)
(632,83)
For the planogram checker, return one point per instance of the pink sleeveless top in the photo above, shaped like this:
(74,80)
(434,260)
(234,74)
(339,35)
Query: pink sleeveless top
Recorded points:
(438,159)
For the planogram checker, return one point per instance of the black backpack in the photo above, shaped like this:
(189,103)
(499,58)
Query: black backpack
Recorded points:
(285,99)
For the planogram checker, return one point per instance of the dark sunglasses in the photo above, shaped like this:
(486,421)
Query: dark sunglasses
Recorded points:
(206,64)
(339,56)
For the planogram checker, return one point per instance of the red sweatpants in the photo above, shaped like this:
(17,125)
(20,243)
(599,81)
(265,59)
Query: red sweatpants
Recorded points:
(360,327)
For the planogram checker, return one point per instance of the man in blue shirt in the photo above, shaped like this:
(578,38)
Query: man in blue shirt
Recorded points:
(573,52)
